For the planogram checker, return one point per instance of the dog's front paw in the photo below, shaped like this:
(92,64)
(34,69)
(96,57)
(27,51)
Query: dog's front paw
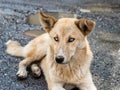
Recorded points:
(22,74)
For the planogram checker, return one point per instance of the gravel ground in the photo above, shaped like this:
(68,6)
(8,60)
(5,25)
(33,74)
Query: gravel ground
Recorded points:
(104,41)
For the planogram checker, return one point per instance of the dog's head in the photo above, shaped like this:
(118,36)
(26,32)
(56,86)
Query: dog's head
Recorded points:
(67,34)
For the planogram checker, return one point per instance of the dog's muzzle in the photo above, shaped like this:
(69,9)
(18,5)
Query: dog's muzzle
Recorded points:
(59,59)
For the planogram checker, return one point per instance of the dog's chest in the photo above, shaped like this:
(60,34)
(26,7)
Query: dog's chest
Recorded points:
(67,73)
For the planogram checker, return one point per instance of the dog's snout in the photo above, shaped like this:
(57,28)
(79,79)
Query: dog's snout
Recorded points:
(59,59)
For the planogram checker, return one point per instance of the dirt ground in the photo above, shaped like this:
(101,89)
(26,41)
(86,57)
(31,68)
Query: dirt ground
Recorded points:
(104,41)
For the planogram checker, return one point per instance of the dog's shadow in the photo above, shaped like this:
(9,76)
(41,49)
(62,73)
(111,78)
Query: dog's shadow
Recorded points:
(75,88)
(70,87)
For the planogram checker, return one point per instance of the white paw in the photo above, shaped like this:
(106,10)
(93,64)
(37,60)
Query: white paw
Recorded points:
(22,74)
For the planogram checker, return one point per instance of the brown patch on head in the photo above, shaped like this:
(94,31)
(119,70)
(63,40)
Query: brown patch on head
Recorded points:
(85,25)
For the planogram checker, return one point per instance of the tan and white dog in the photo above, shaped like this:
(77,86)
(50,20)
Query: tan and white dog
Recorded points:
(64,53)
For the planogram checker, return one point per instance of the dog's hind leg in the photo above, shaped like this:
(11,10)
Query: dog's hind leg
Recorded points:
(22,73)
(31,52)
(14,48)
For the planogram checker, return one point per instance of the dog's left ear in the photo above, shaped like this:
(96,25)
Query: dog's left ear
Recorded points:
(85,25)
(47,21)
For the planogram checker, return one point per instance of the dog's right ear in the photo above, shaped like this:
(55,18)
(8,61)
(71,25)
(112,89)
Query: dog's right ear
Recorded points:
(86,26)
(47,21)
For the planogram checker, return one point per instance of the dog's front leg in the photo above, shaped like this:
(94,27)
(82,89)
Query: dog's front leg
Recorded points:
(87,86)
(87,83)
(54,85)
(57,86)
(22,73)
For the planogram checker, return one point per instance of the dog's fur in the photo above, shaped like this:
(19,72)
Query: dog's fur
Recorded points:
(66,37)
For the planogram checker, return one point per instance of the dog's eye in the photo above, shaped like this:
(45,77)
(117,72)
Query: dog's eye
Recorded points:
(71,39)
(56,39)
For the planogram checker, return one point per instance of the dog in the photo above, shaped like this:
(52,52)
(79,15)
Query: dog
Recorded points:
(63,51)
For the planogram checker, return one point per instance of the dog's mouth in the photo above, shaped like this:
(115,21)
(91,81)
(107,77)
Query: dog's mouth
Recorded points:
(62,63)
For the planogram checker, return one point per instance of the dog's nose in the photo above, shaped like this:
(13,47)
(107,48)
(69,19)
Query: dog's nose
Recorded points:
(59,59)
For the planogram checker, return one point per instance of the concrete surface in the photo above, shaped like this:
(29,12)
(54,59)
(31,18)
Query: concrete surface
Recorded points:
(104,41)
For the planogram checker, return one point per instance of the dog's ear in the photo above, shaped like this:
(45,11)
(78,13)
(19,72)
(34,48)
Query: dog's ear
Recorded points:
(47,21)
(85,25)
